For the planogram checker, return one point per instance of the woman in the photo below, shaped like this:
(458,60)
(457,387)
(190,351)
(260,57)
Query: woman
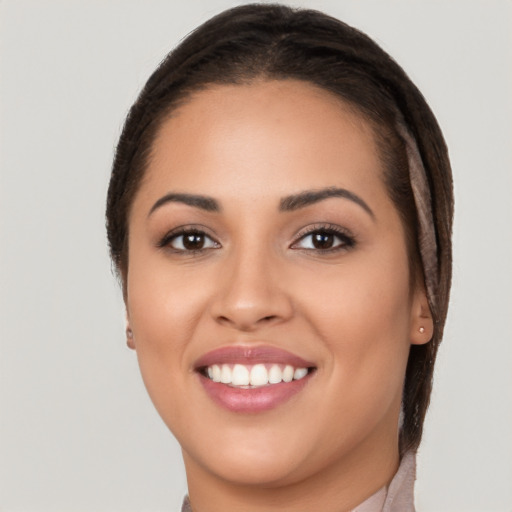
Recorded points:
(280,214)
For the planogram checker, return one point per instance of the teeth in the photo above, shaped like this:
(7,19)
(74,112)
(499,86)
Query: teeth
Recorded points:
(300,373)
(257,375)
(288,373)
(215,373)
(275,375)
(240,375)
(225,374)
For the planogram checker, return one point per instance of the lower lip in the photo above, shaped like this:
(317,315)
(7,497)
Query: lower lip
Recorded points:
(252,400)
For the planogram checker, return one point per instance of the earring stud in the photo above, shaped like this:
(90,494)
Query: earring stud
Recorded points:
(422,330)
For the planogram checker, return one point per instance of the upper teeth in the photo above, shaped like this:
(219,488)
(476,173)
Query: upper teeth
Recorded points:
(256,375)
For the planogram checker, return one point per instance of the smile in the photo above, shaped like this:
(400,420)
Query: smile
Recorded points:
(257,375)
(252,379)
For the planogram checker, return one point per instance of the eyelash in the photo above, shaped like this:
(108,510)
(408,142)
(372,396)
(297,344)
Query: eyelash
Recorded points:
(346,239)
(173,235)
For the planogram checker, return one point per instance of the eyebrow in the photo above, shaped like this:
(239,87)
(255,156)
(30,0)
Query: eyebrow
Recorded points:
(287,204)
(309,197)
(203,202)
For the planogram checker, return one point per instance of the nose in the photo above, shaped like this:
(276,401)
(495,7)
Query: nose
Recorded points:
(250,293)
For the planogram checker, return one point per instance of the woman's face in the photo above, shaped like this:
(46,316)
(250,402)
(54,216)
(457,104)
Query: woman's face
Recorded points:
(264,251)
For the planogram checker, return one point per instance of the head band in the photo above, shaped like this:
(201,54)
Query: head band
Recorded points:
(423,200)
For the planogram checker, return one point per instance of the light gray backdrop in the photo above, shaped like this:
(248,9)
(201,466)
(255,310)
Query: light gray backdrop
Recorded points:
(78,432)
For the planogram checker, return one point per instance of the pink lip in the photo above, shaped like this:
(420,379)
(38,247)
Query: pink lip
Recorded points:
(251,400)
(251,355)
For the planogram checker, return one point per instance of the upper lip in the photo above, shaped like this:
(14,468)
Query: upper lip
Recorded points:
(237,354)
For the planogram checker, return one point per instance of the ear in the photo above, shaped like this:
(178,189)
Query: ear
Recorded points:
(422,323)
(130,341)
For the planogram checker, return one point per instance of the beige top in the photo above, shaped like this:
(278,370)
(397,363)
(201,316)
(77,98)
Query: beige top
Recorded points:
(398,496)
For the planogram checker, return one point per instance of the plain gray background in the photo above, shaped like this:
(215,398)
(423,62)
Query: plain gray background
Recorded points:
(78,432)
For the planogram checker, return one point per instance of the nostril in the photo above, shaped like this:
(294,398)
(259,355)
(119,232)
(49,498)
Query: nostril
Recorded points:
(246,324)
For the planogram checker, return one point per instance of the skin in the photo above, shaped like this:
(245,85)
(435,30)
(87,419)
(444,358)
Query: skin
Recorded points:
(260,282)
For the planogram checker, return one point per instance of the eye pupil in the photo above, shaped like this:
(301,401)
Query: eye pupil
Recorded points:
(323,240)
(193,241)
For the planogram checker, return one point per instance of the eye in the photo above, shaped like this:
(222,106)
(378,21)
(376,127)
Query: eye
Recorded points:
(190,240)
(324,239)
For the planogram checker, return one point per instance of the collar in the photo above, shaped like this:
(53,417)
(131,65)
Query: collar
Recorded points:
(398,496)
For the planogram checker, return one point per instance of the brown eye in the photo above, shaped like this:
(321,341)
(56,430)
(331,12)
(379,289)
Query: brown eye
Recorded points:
(189,241)
(322,240)
(325,240)
(193,241)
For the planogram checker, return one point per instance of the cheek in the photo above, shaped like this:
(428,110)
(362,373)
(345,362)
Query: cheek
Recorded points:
(361,311)
(366,292)
(361,314)
(164,307)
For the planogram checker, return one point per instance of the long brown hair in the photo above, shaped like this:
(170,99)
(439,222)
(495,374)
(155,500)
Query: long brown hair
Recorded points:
(275,42)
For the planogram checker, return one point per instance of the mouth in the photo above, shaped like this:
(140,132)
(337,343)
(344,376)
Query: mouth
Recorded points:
(252,379)
(253,376)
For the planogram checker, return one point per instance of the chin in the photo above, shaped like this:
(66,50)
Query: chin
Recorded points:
(259,468)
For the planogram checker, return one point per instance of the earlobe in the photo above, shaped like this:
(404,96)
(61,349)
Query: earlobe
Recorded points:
(422,324)
(129,336)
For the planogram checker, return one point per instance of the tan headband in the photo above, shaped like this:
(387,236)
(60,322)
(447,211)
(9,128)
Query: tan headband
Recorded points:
(423,201)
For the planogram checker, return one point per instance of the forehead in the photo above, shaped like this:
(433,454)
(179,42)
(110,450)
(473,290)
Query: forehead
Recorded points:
(261,139)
